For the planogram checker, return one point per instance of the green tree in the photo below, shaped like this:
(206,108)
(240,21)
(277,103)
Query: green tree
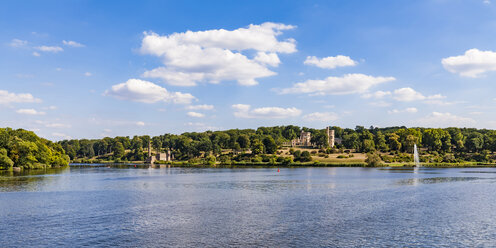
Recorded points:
(373,159)
(380,142)
(5,161)
(270,145)
(118,150)
(257,147)
(244,141)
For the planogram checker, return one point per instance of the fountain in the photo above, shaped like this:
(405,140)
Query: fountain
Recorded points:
(416,156)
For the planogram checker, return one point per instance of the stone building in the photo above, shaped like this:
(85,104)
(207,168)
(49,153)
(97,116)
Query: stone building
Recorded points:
(330,136)
(304,139)
(161,156)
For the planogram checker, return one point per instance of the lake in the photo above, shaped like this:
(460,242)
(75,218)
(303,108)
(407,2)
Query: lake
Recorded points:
(249,207)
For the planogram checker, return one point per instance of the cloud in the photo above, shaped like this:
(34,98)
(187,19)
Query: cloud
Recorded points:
(72,43)
(245,111)
(36,54)
(6,97)
(195,114)
(18,43)
(62,136)
(200,107)
(50,49)
(30,112)
(473,63)
(377,95)
(409,95)
(347,84)
(53,124)
(217,55)
(147,92)
(268,58)
(140,123)
(437,119)
(380,104)
(57,125)
(330,62)
(321,116)
(407,110)
(88,74)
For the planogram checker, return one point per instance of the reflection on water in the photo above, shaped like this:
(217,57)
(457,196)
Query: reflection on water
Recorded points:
(28,180)
(297,207)
(416,181)
(415,170)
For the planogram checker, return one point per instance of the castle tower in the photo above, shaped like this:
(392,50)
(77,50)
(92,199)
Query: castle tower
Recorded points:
(149,148)
(330,136)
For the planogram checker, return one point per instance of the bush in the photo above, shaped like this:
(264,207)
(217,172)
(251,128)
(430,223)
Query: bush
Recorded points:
(256,159)
(287,161)
(210,160)
(305,157)
(373,159)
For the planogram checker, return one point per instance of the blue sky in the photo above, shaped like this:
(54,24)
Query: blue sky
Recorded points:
(88,69)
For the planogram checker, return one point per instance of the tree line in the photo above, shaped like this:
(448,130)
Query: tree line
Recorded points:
(462,143)
(21,148)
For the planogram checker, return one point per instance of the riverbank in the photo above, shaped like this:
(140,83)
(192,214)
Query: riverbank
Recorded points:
(279,165)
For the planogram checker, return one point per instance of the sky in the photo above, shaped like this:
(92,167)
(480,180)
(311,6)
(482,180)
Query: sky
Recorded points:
(90,69)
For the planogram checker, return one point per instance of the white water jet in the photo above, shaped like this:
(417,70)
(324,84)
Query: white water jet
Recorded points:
(416,156)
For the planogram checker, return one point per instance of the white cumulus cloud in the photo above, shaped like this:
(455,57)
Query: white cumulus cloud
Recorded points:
(147,92)
(408,95)
(321,116)
(140,123)
(195,114)
(18,43)
(406,110)
(50,49)
(268,58)
(330,62)
(437,119)
(473,63)
(7,97)
(30,112)
(377,95)
(200,107)
(347,84)
(72,43)
(245,111)
(217,55)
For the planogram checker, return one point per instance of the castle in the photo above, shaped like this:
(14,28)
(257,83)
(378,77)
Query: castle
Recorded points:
(161,156)
(306,137)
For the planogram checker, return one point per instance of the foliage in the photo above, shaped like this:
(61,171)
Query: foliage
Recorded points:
(22,148)
(373,159)
(437,144)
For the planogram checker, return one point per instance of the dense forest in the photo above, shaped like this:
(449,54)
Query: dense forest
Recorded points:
(21,148)
(392,144)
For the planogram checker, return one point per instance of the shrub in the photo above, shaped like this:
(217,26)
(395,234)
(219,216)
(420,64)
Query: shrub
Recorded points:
(373,159)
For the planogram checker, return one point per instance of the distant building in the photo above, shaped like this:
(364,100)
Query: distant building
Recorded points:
(305,139)
(161,156)
(330,136)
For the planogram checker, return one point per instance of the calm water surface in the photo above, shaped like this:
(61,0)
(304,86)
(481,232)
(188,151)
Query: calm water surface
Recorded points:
(316,207)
